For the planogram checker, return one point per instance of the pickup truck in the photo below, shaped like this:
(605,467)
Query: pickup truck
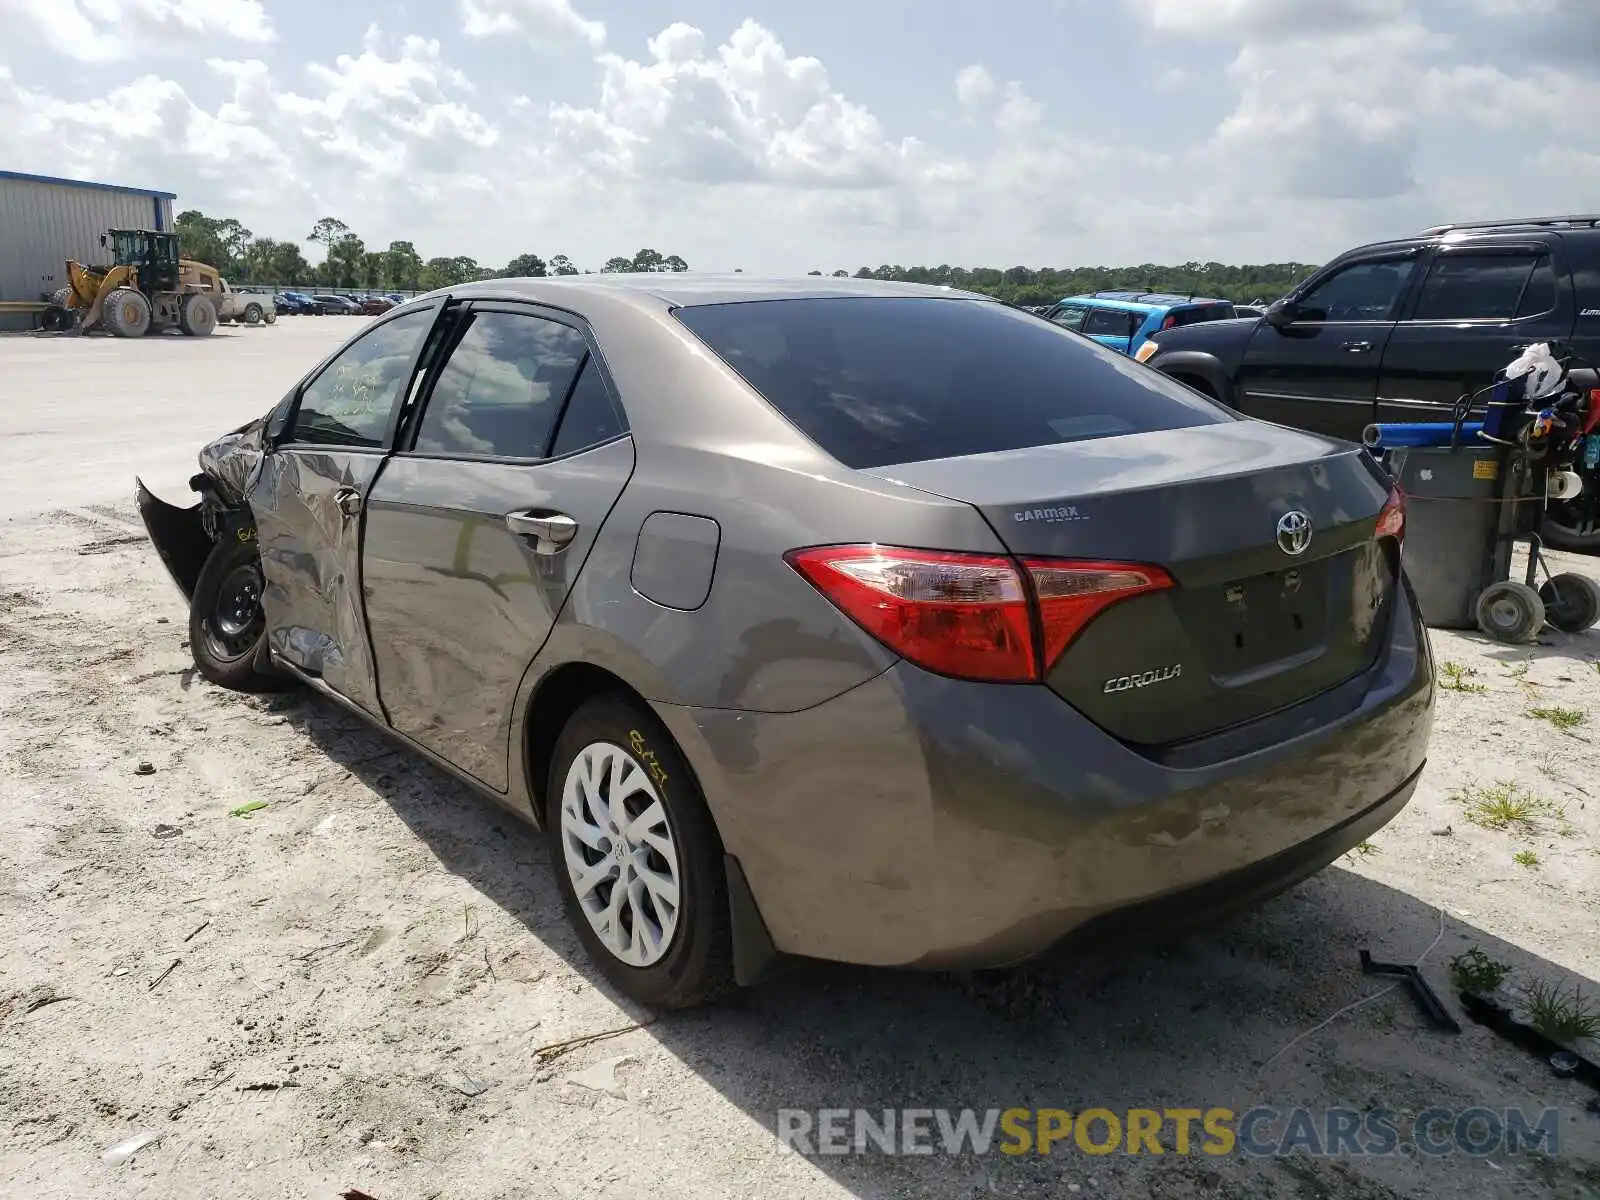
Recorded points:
(1399,330)
(249,308)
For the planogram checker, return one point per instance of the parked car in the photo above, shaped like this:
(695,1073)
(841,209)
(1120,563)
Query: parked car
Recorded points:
(1399,330)
(373,305)
(394,298)
(337,305)
(845,619)
(297,302)
(1122,320)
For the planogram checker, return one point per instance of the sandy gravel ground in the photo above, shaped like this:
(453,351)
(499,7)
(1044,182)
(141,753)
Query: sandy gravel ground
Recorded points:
(350,987)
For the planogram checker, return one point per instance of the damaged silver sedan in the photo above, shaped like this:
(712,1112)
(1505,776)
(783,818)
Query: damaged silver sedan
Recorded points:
(826,618)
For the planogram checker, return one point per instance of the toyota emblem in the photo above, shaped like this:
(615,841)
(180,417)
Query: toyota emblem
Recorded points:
(1294,532)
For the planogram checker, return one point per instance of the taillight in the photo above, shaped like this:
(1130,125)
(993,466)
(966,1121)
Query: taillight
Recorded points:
(1071,594)
(1170,322)
(970,615)
(957,614)
(1392,520)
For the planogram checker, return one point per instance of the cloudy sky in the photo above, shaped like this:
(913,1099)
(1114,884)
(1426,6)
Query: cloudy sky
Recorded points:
(834,133)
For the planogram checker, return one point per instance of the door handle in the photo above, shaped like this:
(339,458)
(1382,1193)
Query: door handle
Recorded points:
(551,531)
(349,501)
(1356,347)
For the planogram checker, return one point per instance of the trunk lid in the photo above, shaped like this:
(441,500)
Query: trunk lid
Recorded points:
(1248,628)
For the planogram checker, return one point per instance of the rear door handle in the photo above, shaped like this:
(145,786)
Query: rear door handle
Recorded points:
(349,501)
(1356,347)
(551,531)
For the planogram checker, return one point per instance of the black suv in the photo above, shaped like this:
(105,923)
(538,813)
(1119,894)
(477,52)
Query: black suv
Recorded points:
(1397,331)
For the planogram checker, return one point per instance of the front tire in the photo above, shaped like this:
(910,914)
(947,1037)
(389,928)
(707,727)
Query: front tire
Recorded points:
(126,313)
(252,314)
(226,621)
(637,857)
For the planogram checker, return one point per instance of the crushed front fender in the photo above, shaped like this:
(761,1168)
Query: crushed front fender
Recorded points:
(178,535)
(234,460)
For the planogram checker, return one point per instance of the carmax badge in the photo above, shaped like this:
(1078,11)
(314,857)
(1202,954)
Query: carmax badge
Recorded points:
(1127,683)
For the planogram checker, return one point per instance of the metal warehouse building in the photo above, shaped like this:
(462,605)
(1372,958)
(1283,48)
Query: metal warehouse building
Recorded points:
(45,221)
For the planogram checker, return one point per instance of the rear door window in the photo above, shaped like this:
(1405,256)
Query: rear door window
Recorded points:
(879,381)
(1478,287)
(502,388)
(591,416)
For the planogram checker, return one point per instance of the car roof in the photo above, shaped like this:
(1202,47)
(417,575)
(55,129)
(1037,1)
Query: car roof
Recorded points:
(682,289)
(1144,302)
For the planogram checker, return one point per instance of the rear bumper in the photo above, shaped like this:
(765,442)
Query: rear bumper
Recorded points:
(177,534)
(919,821)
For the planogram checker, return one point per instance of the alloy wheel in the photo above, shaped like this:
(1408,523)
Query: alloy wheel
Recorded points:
(619,851)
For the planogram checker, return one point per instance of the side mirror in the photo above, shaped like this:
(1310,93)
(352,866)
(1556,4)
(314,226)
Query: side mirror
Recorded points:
(1282,313)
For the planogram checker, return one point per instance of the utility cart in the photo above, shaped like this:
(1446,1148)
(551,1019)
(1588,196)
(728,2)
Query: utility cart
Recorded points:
(1477,488)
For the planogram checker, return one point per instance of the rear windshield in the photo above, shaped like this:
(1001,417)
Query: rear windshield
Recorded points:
(877,381)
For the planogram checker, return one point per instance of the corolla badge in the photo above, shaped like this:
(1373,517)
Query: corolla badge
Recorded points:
(1294,532)
(1127,683)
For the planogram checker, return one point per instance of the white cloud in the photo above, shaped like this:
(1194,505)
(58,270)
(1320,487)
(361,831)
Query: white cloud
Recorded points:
(747,112)
(974,85)
(1263,20)
(734,149)
(109,30)
(549,22)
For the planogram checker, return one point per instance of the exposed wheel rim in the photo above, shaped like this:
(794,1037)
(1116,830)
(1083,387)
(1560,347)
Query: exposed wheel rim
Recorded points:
(618,847)
(236,619)
(1505,613)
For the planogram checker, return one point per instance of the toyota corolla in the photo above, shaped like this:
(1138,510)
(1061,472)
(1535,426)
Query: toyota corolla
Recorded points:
(824,618)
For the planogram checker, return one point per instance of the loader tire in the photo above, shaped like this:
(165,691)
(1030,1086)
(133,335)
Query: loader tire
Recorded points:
(126,313)
(197,316)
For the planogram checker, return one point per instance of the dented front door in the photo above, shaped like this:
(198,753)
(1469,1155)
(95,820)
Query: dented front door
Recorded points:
(309,504)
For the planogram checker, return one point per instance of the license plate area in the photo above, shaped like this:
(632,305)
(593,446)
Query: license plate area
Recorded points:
(1266,619)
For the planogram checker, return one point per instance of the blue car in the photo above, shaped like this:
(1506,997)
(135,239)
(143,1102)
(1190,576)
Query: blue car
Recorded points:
(1122,320)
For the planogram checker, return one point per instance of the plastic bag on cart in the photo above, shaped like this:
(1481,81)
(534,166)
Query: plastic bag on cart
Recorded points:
(1541,374)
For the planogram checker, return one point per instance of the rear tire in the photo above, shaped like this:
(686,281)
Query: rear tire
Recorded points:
(622,810)
(252,314)
(1575,524)
(197,316)
(270,316)
(226,623)
(1510,611)
(1571,601)
(126,313)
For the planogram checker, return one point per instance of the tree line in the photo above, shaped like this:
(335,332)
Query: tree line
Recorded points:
(1045,285)
(244,258)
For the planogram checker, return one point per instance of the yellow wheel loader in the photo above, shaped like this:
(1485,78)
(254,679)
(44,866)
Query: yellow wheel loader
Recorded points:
(147,287)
